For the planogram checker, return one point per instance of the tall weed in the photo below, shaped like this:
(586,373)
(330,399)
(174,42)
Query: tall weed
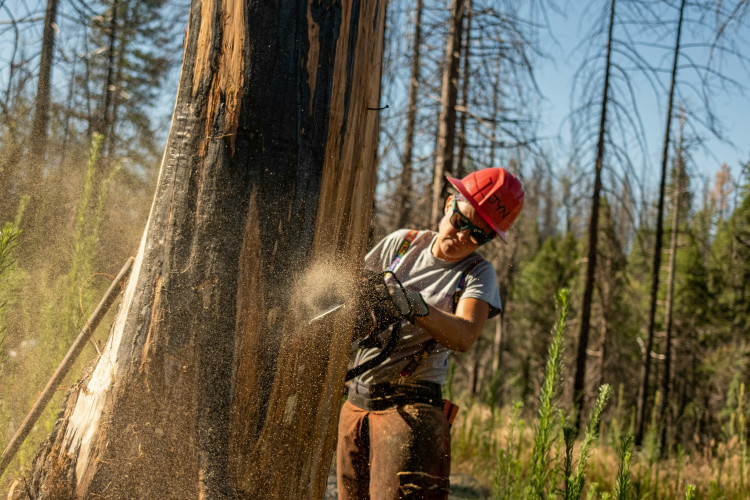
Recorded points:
(506,480)
(623,486)
(9,234)
(592,433)
(539,473)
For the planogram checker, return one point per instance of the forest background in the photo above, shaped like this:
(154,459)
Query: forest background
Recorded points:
(624,109)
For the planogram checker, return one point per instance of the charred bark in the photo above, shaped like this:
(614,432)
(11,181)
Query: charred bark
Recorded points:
(640,417)
(464,105)
(447,123)
(42,106)
(405,193)
(666,383)
(212,384)
(104,116)
(579,386)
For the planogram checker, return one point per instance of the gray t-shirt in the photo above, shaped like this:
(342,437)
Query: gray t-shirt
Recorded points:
(437,280)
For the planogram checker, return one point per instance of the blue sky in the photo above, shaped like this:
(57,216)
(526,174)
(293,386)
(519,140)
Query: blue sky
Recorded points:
(555,78)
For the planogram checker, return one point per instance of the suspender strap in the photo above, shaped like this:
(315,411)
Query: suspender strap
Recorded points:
(403,248)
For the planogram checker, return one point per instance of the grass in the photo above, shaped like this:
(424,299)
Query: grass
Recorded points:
(46,307)
(545,458)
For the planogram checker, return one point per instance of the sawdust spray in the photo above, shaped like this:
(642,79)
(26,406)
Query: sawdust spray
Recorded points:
(324,285)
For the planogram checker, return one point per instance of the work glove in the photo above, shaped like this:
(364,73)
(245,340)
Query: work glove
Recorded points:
(417,303)
(409,302)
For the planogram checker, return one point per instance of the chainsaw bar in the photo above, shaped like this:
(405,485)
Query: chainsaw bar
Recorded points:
(326,313)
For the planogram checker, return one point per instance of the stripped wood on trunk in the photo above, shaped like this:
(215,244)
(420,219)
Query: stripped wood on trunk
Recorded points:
(212,383)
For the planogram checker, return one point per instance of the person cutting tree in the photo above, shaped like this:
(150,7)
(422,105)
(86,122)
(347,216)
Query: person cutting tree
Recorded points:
(394,434)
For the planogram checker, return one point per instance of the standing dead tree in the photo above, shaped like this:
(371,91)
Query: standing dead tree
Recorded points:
(579,389)
(646,366)
(446,137)
(38,138)
(712,28)
(405,195)
(212,384)
(678,185)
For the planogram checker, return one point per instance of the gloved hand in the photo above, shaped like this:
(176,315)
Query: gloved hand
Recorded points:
(409,302)
(417,303)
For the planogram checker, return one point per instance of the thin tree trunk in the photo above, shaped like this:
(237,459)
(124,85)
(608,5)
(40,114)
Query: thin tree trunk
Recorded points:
(497,344)
(403,208)
(111,136)
(33,155)
(666,382)
(87,87)
(579,390)
(36,142)
(504,268)
(447,121)
(477,351)
(104,119)
(474,368)
(40,123)
(497,360)
(460,171)
(11,57)
(212,384)
(66,133)
(604,327)
(738,284)
(646,366)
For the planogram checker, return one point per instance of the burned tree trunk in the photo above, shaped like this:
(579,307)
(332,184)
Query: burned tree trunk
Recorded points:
(579,386)
(405,190)
(105,116)
(643,392)
(38,140)
(667,380)
(447,120)
(212,384)
(464,104)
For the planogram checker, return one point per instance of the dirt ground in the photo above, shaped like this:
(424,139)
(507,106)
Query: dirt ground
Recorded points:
(463,487)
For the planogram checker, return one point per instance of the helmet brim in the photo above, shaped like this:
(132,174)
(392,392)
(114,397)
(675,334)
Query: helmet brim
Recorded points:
(470,199)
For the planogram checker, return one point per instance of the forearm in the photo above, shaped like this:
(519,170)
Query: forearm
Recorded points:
(459,331)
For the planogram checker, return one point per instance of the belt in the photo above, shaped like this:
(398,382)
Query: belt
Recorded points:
(379,397)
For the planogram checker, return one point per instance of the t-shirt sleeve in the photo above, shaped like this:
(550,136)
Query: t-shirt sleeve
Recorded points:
(379,258)
(482,284)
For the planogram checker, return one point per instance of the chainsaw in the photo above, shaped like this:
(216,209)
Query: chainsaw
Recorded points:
(381,303)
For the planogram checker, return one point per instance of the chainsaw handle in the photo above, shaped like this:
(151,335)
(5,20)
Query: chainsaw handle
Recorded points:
(389,347)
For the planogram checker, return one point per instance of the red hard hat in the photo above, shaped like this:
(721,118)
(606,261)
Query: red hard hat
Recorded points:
(496,195)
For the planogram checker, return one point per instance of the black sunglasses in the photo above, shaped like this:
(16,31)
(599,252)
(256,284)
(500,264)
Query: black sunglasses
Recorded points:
(462,223)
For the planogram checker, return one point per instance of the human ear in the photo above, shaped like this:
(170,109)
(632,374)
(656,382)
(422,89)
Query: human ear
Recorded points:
(448,204)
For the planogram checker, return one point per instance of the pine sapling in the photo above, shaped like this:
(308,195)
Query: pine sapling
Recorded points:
(690,493)
(623,486)
(543,435)
(569,438)
(507,474)
(8,242)
(592,432)
(9,235)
